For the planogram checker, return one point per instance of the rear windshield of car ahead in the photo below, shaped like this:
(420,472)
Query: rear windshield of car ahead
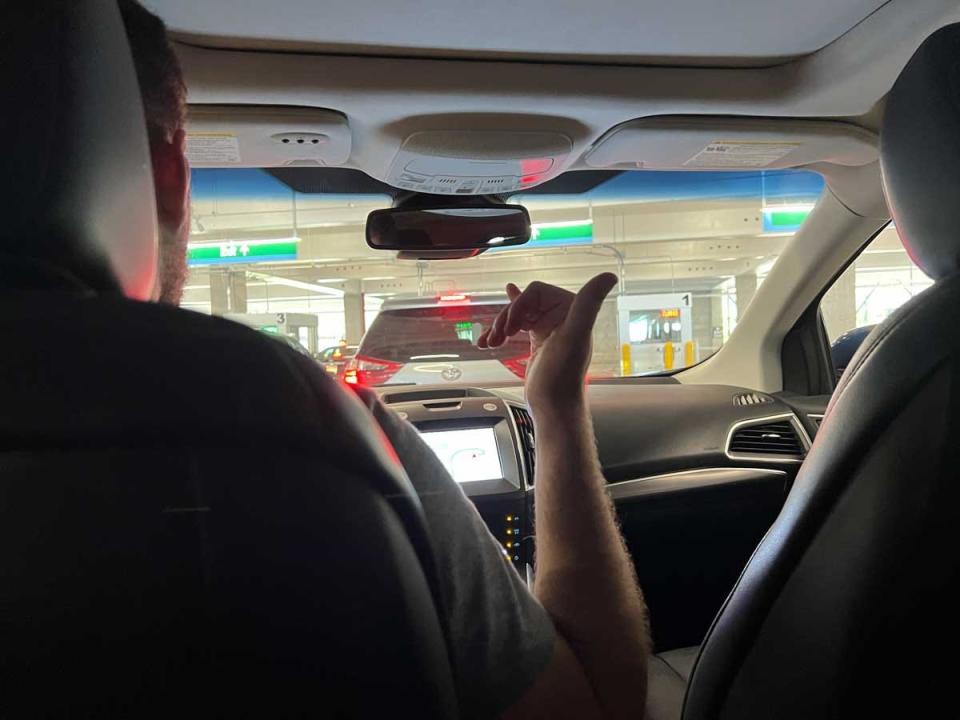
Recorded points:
(441,333)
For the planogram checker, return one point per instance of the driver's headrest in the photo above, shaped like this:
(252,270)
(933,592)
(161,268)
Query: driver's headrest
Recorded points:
(76,186)
(920,153)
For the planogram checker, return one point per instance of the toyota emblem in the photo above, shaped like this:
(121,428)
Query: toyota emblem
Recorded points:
(451,374)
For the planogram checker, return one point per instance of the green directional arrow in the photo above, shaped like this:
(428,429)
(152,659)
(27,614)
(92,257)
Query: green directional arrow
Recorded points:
(253,251)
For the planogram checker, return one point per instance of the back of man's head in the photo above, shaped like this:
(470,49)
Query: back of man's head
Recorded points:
(158,71)
(164,95)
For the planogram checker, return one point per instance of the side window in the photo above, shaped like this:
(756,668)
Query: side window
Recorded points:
(878,282)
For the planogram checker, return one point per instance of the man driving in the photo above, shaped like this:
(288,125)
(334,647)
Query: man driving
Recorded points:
(575,644)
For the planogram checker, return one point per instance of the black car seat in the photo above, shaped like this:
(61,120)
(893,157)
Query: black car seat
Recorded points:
(849,607)
(194,519)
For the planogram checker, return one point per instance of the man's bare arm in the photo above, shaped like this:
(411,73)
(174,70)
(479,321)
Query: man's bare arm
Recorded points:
(585,577)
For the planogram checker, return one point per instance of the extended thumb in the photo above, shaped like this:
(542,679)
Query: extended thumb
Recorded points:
(586,305)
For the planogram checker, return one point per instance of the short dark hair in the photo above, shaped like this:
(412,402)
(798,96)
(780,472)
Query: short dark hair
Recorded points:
(158,71)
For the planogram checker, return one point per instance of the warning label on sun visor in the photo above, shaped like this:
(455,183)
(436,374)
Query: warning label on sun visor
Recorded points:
(213,148)
(734,154)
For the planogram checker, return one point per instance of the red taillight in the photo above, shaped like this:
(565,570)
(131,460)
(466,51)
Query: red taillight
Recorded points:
(366,370)
(517,365)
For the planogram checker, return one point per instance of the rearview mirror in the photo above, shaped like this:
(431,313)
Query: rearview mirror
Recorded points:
(448,230)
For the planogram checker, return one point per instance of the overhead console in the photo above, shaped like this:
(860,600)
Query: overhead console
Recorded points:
(478,162)
(715,143)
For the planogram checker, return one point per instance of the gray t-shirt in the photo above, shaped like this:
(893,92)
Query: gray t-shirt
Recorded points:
(501,637)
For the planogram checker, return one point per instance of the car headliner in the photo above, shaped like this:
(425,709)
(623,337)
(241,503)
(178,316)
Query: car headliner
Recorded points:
(707,32)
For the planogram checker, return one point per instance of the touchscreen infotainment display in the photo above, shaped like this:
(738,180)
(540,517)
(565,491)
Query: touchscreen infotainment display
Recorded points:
(469,455)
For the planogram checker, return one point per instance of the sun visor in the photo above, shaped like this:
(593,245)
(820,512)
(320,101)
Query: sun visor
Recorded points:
(243,136)
(710,143)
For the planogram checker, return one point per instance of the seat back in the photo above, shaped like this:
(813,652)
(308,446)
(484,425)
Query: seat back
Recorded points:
(849,602)
(193,518)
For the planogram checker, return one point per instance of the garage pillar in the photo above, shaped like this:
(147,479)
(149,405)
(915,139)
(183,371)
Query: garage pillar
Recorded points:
(746,289)
(354,324)
(228,291)
(839,305)
(707,322)
(606,341)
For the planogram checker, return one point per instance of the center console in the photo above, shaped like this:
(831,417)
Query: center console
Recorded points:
(483,442)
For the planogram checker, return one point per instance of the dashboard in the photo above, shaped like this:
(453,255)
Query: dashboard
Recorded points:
(657,439)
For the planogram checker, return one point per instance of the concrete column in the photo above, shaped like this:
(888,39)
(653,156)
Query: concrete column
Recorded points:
(606,342)
(219,295)
(708,322)
(746,289)
(839,305)
(228,291)
(716,322)
(353,311)
(237,289)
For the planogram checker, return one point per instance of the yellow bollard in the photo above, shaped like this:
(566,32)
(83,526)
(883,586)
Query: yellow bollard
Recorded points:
(689,353)
(668,356)
(626,361)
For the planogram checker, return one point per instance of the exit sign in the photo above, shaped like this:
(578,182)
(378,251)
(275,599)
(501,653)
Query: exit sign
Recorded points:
(242,251)
(577,232)
(787,219)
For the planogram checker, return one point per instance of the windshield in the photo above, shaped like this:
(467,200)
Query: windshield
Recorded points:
(285,253)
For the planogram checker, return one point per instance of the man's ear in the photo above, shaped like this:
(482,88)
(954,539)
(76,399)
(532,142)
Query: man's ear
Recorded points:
(171,178)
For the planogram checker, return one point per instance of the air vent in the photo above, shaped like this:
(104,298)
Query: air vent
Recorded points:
(527,444)
(774,437)
(751,398)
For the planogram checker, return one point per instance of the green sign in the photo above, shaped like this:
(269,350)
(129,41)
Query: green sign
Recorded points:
(563,233)
(241,251)
(269,329)
(464,330)
(787,220)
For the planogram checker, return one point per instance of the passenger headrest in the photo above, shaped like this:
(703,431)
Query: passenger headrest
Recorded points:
(920,153)
(76,186)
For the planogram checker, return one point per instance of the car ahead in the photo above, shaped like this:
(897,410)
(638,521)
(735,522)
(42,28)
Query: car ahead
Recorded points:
(434,341)
(335,358)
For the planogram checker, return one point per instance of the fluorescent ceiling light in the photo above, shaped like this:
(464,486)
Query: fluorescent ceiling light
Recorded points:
(299,284)
(794,208)
(565,223)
